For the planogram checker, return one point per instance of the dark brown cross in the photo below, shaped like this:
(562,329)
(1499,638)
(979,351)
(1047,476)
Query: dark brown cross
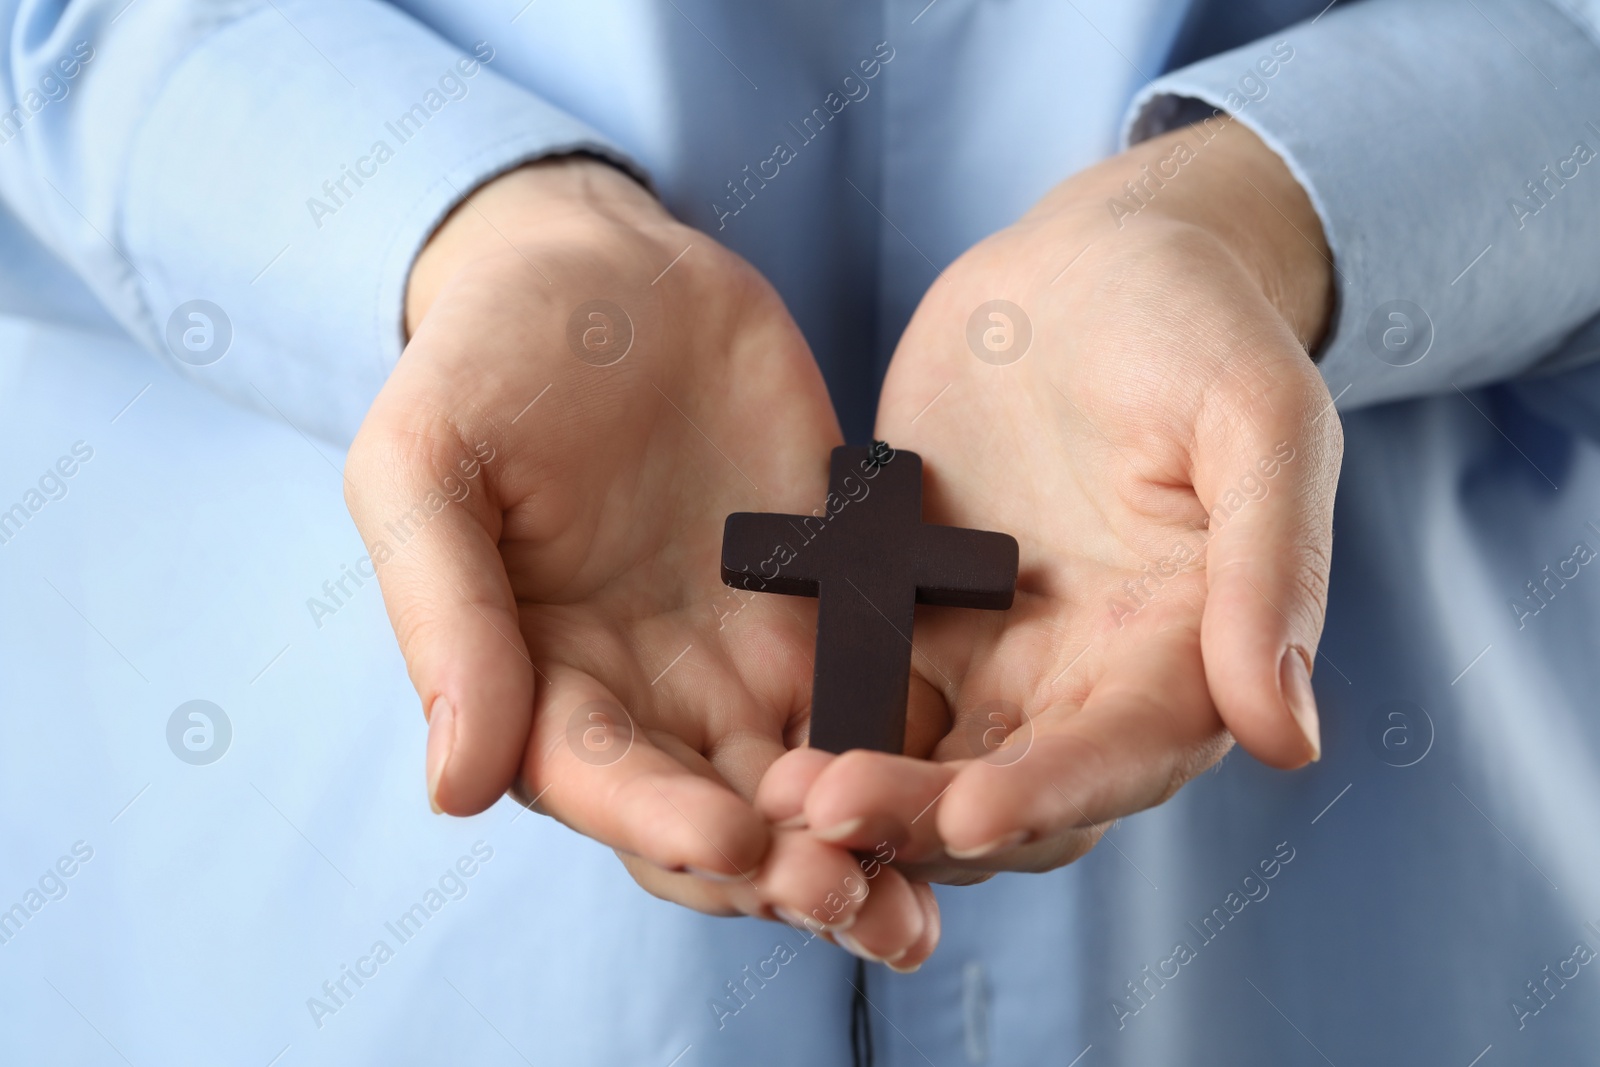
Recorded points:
(869,558)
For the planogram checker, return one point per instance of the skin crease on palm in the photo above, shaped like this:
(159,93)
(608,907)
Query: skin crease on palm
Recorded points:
(1166,361)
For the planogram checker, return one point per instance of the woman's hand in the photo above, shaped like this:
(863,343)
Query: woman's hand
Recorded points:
(1165,452)
(590,388)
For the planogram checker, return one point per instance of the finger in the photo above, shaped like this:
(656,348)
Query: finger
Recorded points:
(916,955)
(1147,726)
(944,871)
(812,884)
(600,773)
(675,887)
(865,801)
(781,796)
(803,882)
(891,923)
(593,767)
(741,753)
(427,524)
(1267,475)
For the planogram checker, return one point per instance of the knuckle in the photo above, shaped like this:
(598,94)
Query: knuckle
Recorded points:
(413,620)
(1197,759)
(1309,584)
(1067,847)
(390,452)
(1307,588)
(1081,843)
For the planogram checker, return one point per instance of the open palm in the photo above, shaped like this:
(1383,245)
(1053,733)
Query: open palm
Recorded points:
(563,618)
(1157,447)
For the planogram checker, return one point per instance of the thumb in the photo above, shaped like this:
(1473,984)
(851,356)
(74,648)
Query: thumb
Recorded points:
(1267,474)
(422,503)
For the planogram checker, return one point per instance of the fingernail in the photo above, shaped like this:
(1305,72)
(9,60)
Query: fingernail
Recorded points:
(793,822)
(839,831)
(855,948)
(441,739)
(811,922)
(898,960)
(1294,678)
(1011,840)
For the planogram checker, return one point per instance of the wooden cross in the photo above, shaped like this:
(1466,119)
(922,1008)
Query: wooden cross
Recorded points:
(869,558)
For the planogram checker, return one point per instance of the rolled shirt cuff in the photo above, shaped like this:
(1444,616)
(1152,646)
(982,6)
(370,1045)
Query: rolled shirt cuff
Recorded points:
(1451,152)
(283,184)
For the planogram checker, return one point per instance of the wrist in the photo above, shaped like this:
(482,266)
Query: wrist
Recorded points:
(538,199)
(1225,181)
(1249,199)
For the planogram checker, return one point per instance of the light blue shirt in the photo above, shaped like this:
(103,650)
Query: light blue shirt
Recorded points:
(171,151)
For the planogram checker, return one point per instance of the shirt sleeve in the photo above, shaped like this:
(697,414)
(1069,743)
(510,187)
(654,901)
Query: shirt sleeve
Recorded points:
(245,185)
(1450,149)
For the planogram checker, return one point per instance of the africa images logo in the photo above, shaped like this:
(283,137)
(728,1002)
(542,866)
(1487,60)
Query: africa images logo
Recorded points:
(199,732)
(199,333)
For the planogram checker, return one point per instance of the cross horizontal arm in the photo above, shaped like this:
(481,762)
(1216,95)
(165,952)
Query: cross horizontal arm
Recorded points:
(962,568)
(759,552)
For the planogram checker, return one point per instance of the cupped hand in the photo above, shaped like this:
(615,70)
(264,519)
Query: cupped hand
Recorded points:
(1141,413)
(590,388)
